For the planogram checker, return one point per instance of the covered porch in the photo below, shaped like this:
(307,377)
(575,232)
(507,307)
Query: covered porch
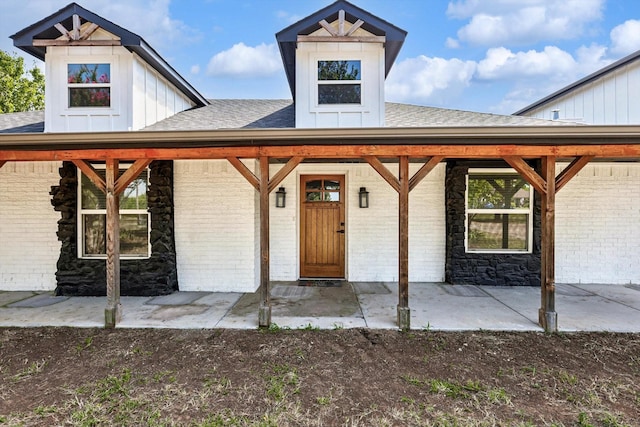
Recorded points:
(428,146)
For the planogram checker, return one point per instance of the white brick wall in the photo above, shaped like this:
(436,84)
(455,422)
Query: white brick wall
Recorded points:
(29,246)
(217,226)
(214,227)
(598,225)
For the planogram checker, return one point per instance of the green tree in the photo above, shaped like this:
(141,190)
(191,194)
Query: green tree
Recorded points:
(20,89)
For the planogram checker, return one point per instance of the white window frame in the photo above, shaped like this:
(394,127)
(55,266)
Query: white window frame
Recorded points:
(82,212)
(113,63)
(516,211)
(315,59)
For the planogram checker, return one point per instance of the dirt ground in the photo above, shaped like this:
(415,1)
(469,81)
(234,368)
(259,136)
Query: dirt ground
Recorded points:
(279,377)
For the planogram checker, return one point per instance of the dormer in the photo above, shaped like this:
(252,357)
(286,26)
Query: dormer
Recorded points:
(336,62)
(101,77)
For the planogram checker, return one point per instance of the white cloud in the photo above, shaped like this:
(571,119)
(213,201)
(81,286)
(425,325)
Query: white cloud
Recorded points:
(507,22)
(452,43)
(246,61)
(428,80)
(625,38)
(195,69)
(503,64)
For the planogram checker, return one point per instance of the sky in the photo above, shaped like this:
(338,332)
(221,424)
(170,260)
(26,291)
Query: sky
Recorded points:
(494,56)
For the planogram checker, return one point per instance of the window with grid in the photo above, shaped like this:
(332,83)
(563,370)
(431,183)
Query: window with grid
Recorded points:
(339,82)
(499,212)
(89,85)
(134,217)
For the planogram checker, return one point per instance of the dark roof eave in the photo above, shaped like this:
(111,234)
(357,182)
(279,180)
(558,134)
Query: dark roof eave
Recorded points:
(584,81)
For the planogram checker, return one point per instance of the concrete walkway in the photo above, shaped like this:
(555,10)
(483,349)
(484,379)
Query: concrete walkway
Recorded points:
(433,306)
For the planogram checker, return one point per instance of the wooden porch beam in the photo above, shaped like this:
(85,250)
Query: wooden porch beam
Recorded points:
(113,311)
(384,172)
(572,170)
(527,173)
(264,314)
(130,174)
(631,151)
(547,316)
(404,313)
(424,171)
(91,173)
(284,172)
(245,171)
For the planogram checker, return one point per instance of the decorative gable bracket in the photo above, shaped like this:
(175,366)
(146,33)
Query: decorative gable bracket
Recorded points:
(340,34)
(77,36)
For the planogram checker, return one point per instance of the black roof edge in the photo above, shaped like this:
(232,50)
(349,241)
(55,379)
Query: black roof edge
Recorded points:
(588,79)
(23,40)
(288,37)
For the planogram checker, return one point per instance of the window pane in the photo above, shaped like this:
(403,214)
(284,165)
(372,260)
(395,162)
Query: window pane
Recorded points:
(89,97)
(332,196)
(135,195)
(339,94)
(498,192)
(332,185)
(498,231)
(89,73)
(338,70)
(94,235)
(134,233)
(314,196)
(92,197)
(314,185)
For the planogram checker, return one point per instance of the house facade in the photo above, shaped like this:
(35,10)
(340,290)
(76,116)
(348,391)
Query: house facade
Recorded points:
(131,182)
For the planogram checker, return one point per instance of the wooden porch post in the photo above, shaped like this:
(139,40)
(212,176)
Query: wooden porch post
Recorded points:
(113,312)
(264,314)
(404,313)
(547,316)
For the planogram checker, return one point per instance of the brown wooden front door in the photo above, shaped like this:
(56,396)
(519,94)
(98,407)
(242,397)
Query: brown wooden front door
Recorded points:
(322,225)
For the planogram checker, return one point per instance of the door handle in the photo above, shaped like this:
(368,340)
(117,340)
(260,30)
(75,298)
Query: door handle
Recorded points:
(340,231)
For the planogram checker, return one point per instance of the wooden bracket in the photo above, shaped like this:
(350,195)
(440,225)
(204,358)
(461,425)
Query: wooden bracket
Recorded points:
(572,170)
(424,171)
(527,173)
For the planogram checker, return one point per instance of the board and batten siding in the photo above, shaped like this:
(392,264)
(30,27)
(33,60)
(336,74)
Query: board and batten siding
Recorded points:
(598,225)
(370,113)
(140,96)
(154,97)
(28,225)
(611,99)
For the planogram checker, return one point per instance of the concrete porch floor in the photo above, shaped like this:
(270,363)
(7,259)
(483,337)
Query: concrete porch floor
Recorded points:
(434,306)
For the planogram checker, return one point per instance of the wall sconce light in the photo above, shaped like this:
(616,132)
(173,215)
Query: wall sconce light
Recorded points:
(281,197)
(363,198)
